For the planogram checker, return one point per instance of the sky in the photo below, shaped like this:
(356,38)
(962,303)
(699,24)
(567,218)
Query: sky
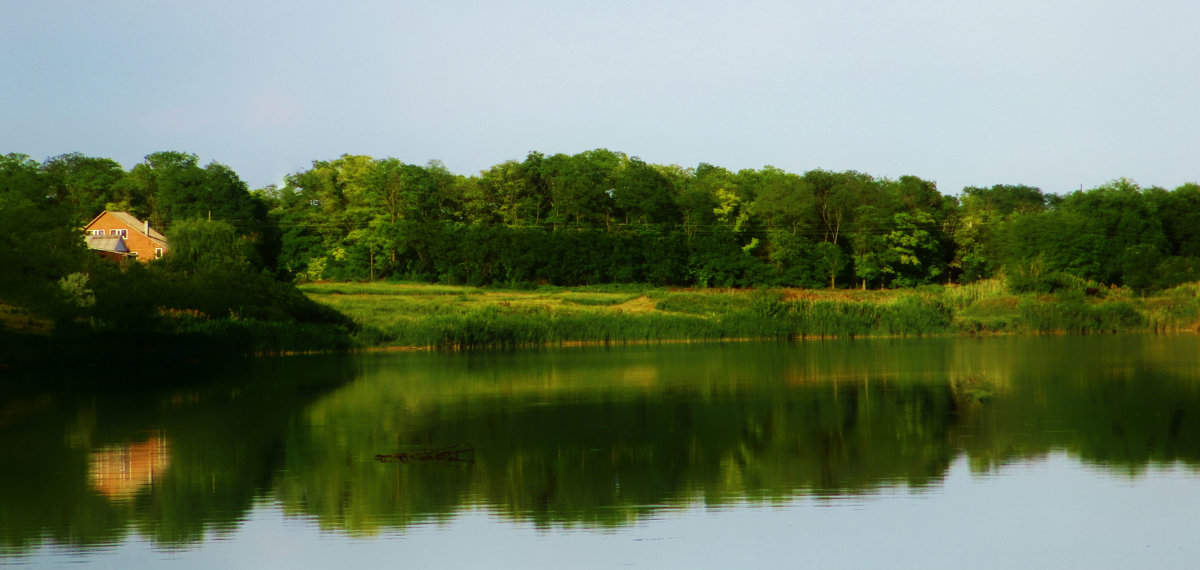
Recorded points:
(1057,94)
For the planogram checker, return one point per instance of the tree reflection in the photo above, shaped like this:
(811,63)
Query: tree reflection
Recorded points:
(81,468)
(588,437)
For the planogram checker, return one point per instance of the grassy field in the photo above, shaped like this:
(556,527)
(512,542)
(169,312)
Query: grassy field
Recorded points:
(20,320)
(421,315)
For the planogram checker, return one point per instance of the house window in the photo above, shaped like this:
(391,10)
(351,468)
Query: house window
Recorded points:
(122,233)
(97,232)
(133,255)
(157,252)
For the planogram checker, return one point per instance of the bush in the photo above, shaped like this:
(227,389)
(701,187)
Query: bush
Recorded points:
(1078,316)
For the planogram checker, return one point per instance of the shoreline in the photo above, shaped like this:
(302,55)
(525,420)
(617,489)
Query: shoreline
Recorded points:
(409,316)
(412,317)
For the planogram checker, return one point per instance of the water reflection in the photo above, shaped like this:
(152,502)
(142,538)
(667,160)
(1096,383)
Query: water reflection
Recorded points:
(119,471)
(588,438)
(172,463)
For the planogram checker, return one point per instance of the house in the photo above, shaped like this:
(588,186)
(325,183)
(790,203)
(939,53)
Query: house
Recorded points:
(118,235)
(109,247)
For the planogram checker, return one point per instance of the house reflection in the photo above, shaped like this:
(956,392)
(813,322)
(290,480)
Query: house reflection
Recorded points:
(119,471)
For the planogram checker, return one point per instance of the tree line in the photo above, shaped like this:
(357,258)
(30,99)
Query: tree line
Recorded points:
(213,293)
(604,217)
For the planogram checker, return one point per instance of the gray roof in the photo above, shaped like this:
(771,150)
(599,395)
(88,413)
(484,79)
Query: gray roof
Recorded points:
(138,224)
(107,243)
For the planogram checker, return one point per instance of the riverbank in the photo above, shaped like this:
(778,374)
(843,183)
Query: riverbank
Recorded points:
(441,316)
(187,343)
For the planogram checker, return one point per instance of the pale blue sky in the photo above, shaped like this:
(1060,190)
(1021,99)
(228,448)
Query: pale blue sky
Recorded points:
(1055,94)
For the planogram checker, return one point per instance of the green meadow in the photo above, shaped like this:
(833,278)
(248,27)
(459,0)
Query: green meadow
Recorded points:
(442,316)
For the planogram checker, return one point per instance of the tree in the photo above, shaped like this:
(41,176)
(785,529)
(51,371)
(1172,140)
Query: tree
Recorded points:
(43,242)
(83,184)
(226,197)
(830,261)
(697,200)
(325,204)
(1115,217)
(642,195)
(982,211)
(500,195)
(1179,211)
(201,245)
(836,195)
(783,200)
(173,185)
(868,245)
(1064,240)
(582,187)
(914,255)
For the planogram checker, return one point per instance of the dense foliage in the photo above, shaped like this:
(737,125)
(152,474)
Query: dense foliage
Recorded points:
(215,291)
(604,217)
(594,217)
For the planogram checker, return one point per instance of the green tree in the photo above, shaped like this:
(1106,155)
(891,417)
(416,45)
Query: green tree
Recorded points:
(783,200)
(582,187)
(697,198)
(1124,217)
(173,185)
(982,212)
(1096,234)
(914,255)
(830,260)
(499,195)
(203,245)
(44,243)
(868,243)
(83,184)
(642,195)
(1179,211)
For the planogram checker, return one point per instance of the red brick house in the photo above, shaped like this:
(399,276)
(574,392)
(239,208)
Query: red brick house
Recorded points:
(133,237)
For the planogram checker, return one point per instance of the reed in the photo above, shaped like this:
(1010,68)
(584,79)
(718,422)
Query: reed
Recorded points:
(171,341)
(504,327)
(963,296)
(252,336)
(462,317)
(1078,316)
(706,303)
(908,315)
(1175,309)
(385,288)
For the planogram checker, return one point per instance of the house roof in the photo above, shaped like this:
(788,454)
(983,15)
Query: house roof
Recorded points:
(136,224)
(129,219)
(107,243)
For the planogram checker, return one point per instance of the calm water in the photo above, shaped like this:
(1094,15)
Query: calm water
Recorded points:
(1002,452)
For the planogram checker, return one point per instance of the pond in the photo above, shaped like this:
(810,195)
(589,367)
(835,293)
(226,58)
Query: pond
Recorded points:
(1000,452)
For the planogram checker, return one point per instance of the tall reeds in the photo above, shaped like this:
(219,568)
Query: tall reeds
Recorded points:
(506,327)
(468,318)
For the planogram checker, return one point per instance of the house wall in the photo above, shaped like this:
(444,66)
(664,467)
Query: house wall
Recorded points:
(135,240)
(111,255)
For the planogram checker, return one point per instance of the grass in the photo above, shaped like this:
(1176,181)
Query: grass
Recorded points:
(404,314)
(20,320)
(421,315)
(418,315)
(1174,309)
